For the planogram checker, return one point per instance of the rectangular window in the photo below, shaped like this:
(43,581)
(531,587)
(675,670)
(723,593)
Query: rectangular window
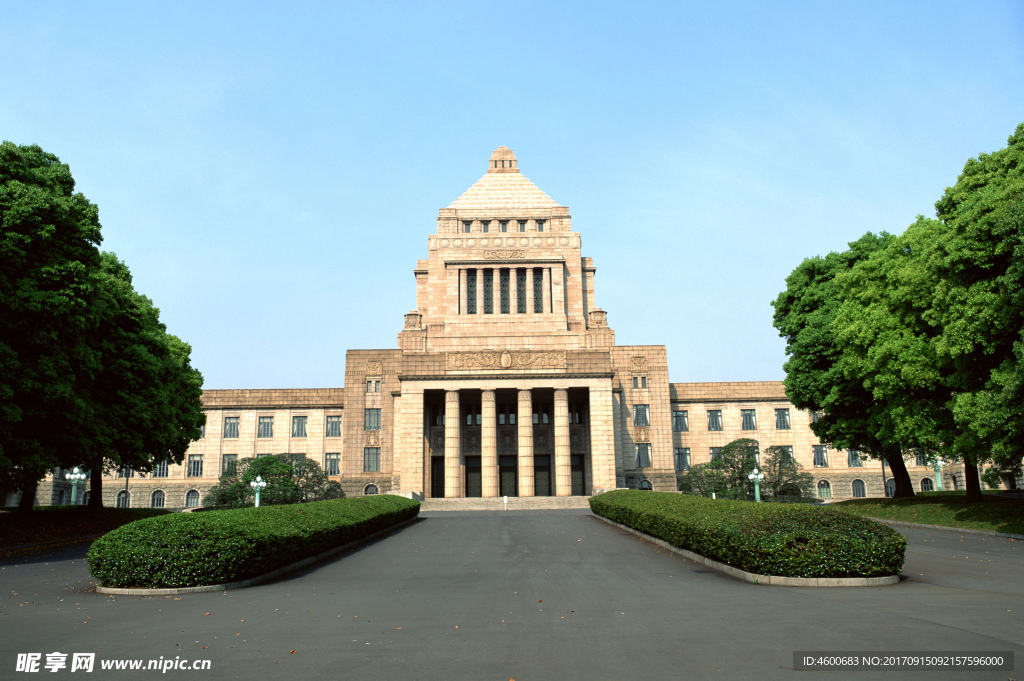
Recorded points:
(522,226)
(682,458)
(160,471)
(681,421)
(230,465)
(126,472)
(504,225)
(471,291)
(371,459)
(540,225)
(371,419)
(782,419)
(643,455)
(334,464)
(488,291)
(466,226)
(506,300)
(816,416)
(715,453)
(714,419)
(641,415)
(376,386)
(749,417)
(787,455)
(922,458)
(230,426)
(538,291)
(299,426)
(820,456)
(853,459)
(266,427)
(643,381)
(521,291)
(195,465)
(369,386)
(333,426)
(486,224)
(202,431)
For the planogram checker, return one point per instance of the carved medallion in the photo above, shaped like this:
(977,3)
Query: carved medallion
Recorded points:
(373,438)
(638,364)
(643,434)
(498,361)
(374,367)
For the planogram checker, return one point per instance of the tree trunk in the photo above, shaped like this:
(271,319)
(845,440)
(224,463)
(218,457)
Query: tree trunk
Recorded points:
(971,482)
(898,468)
(28,494)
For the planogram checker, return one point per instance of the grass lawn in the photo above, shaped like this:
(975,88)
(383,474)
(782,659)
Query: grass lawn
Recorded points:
(56,523)
(949,509)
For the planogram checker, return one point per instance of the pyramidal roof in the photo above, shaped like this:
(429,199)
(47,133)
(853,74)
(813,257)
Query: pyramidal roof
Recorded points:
(503,187)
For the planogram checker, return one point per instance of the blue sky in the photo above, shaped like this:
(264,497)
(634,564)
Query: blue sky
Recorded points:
(270,171)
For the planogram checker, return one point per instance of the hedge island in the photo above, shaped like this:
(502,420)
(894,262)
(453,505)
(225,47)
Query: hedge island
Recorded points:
(788,540)
(199,549)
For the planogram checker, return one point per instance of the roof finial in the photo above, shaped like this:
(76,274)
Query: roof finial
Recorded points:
(503,161)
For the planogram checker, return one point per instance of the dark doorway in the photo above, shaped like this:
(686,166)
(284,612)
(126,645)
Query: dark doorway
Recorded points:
(578,474)
(474,479)
(507,477)
(542,476)
(437,477)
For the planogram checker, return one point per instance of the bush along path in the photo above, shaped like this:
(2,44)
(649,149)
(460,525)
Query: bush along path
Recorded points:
(765,539)
(200,549)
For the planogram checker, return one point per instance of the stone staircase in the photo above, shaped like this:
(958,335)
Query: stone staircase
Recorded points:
(497,504)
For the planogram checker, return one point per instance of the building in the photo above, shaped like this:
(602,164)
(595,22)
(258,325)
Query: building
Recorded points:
(506,380)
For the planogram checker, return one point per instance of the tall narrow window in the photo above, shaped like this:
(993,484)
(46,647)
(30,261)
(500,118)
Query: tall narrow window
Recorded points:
(749,417)
(853,459)
(504,225)
(682,458)
(643,455)
(922,458)
(540,225)
(506,301)
(471,291)
(202,431)
(230,426)
(230,464)
(681,421)
(195,465)
(299,426)
(820,456)
(369,386)
(782,419)
(714,419)
(488,291)
(333,426)
(266,427)
(157,500)
(824,489)
(521,291)
(858,489)
(486,225)
(927,485)
(636,382)
(126,472)
(334,464)
(466,226)
(641,415)
(371,459)
(538,291)
(787,455)
(371,419)
(123,500)
(160,470)
(522,226)
(716,453)
(192,499)
(816,416)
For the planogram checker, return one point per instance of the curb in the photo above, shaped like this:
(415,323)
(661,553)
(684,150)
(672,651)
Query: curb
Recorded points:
(770,580)
(1019,537)
(266,577)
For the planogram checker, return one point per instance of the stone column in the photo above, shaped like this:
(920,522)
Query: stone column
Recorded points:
(524,419)
(530,273)
(513,290)
(563,481)
(547,289)
(411,448)
(462,290)
(479,290)
(452,445)
(489,444)
(602,438)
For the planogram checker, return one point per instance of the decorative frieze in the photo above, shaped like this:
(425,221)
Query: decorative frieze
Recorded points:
(505,254)
(643,434)
(638,364)
(506,360)
(374,367)
(372,438)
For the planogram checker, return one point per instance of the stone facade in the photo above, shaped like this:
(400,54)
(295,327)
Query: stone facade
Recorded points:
(506,381)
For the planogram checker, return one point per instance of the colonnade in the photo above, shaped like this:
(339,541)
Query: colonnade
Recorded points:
(508,290)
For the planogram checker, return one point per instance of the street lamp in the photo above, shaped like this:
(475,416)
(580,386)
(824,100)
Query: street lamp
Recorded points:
(75,476)
(258,484)
(756,477)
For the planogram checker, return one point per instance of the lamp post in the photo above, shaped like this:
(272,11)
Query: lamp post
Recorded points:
(258,484)
(75,476)
(756,477)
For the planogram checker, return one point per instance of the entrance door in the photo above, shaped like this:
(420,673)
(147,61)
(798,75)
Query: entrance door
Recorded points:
(542,476)
(437,477)
(507,477)
(577,473)
(474,479)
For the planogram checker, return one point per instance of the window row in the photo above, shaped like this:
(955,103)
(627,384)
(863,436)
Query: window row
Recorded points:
(820,456)
(265,426)
(502,226)
(859,490)
(157,499)
(524,279)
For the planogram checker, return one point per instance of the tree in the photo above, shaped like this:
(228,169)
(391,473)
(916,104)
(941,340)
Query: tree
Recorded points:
(703,479)
(289,480)
(816,378)
(783,477)
(48,253)
(726,475)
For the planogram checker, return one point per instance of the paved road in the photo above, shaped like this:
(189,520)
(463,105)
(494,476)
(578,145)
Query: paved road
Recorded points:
(523,595)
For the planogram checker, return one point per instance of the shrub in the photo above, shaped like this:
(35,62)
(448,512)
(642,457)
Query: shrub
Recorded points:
(768,539)
(194,549)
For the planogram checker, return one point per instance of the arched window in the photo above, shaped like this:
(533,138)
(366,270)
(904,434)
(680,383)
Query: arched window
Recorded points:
(157,500)
(953,479)
(370,489)
(192,499)
(927,485)
(858,489)
(646,484)
(123,499)
(824,489)
(890,487)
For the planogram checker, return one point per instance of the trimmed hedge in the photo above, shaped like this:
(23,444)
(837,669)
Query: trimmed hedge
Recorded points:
(198,549)
(766,539)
